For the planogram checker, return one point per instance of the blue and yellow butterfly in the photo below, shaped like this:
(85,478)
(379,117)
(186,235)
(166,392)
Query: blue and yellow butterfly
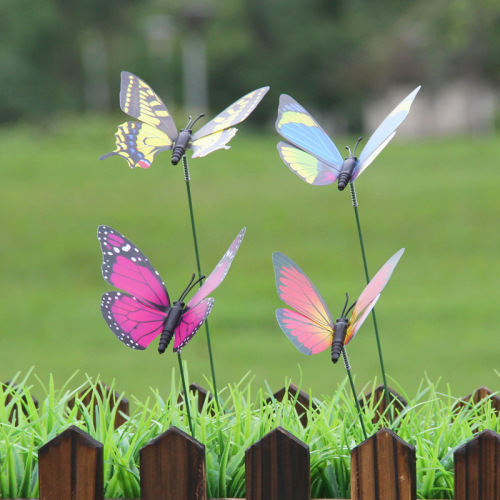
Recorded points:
(139,143)
(313,156)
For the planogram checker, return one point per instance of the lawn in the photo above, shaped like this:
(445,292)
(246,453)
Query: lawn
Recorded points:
(437,198)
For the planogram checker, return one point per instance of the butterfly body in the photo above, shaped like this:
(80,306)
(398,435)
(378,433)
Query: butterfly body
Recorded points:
(310,153)
(171,323)
(309,325)
(139,142)
(143,311)
(339,334)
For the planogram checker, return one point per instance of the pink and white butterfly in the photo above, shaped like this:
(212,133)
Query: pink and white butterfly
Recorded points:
(145,312)
(311,327)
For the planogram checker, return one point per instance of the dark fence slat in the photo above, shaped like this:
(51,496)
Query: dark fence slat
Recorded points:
(71,467)
(302,401)
(104,392)
(383,468)
(479,395)
(278,468)
(477,468)
(173,467)
(23,406)
(397,402)
(202,394)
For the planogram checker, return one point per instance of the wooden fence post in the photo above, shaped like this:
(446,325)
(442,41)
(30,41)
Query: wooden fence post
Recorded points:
(173,467)
(481,394)
(302,403)
(202,394)
(477,468)
(278,468)
(71,467)
(380,406)
(104,392)
(10,387)
(383,468)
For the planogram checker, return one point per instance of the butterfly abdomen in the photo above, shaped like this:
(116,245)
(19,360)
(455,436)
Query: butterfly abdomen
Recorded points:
(346,173)
(338,339)
(181,145)
(171,323)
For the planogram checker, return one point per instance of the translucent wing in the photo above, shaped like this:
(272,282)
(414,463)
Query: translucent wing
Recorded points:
(219,272)
(384,133)
(308,336)
(353,327)
(295,289)
(371,293)
(126,267)
(212,142)
(306,166)
(134,323)
(298,127)
(191,321)
(232,115)
(137,142)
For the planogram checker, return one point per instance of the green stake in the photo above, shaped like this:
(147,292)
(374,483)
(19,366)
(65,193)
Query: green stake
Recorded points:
(348,369)
(187,178)
(186,394)
(355,206)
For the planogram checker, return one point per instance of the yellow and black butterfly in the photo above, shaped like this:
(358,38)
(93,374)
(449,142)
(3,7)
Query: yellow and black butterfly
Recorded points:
(140,142)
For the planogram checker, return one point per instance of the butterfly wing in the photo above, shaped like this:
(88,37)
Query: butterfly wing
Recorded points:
(192,319)
(219,272)
(309,168)
(370,295)
(306,335)
(310,327)
(214,135)
(384,133)
(137,142)
(133,322)
(126,267)
(299,128)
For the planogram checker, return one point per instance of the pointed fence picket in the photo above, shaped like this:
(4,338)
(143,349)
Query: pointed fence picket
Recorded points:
(277,467)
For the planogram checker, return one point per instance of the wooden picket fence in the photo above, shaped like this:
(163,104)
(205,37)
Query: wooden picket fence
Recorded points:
(276,468)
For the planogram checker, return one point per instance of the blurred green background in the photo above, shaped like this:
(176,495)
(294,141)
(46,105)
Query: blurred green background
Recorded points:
(436,196)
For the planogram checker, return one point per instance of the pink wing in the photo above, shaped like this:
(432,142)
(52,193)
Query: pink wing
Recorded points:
(370,295)
(126,267)
(311,328)
(191,321)
(297,290)
(134,323)
(307,336)
(219,273)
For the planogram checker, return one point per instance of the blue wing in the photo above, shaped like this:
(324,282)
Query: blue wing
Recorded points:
(384,133)
(299,128)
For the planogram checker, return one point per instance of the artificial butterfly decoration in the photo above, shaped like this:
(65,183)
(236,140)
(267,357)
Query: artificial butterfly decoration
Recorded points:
(145,312)
(311,327)
(139,143)
(313,156)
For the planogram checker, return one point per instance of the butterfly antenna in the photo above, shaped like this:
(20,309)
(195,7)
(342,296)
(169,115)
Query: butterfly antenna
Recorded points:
(349,149)
(191,122)
(346,301)
(356,145)
(190,286)
(350,309)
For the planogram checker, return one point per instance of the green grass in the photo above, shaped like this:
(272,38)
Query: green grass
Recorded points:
(429,423)
(438,315)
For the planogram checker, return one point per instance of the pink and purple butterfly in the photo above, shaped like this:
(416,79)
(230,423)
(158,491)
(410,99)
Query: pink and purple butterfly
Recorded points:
(311,327)
(145,312)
